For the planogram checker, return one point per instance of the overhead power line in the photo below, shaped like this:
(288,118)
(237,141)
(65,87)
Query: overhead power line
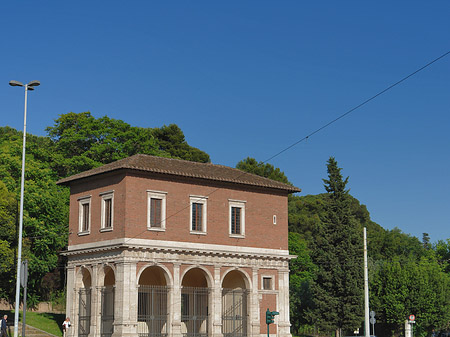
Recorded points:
(323,127)
(358,106)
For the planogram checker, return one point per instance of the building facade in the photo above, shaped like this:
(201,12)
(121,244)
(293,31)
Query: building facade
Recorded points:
(163,247)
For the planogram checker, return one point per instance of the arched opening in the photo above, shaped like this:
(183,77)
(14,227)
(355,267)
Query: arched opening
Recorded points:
(84,303)
(107,302)
(234,305)
(195,304)
(152,303)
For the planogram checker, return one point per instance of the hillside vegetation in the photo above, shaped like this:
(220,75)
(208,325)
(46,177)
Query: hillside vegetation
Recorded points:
(407,276)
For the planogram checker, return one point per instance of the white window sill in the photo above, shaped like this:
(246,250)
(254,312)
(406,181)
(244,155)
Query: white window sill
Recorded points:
(84,233)
(156,229)
(107,229)
(237,236)
(198,233)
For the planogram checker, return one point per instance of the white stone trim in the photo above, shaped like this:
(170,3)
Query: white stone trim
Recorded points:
(105,196)
(272,282)
(84,201)
(209,278)
(203,201)
(157,195)
(236,204)
(201,247)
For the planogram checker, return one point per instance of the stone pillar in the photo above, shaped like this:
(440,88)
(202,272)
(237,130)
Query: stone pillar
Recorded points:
(95,308)
(175,305)
(284,325)
(71,300)
(254,305)
(126,300)
(216,316)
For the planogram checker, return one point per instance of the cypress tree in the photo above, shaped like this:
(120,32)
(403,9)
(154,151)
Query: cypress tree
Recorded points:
(338,253)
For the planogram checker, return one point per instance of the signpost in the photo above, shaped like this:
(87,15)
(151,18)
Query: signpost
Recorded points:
(373,321)
(270,315)
(412,320)
(23,282)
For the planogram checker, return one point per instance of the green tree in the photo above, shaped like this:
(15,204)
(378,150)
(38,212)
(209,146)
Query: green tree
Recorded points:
(402,287)
(262,169)
(338,253)
(82,142)
(171,140)
(301,274)
(45,216)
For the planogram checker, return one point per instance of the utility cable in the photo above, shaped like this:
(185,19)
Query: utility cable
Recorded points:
(324,126)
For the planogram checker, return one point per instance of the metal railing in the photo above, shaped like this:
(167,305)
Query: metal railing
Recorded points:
(152,311)
(234,312)
(194,312)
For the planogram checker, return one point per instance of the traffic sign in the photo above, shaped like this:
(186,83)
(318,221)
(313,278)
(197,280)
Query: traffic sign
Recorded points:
(372,320)
(372,313)
(412,317)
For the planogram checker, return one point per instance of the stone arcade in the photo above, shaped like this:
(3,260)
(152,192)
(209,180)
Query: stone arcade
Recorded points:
(166,247)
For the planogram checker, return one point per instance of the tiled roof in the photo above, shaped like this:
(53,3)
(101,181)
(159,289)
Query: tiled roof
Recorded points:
(183,168)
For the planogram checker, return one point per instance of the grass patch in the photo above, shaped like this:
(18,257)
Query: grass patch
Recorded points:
(45,321)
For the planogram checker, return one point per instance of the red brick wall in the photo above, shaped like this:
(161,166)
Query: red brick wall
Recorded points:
(269,301)
(130,211)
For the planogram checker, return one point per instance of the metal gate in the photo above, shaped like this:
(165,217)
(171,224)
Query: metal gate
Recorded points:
(152,311)
(84,312)
(107,314)
(194,312)
(234,312)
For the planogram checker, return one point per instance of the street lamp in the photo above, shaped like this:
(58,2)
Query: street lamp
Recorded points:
(28,86)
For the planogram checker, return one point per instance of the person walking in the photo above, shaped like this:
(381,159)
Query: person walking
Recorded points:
(66,325)
(3,327)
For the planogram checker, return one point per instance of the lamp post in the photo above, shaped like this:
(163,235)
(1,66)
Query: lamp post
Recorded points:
(28,86)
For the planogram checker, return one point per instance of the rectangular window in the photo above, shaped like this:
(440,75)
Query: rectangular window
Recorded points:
(198,214)
(84,216)
(85,223)
(107,211)
(267,283)
(155,212)
(237,218)
(156,219)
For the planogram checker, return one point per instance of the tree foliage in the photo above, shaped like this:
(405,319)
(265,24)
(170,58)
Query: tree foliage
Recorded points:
(419,287)
(338,283)
(262,169)
(76,142)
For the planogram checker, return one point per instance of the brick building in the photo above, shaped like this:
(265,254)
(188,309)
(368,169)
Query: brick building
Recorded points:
(166,247)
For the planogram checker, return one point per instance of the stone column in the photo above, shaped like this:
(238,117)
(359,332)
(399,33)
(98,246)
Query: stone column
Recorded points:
(254,305)
(284,325)
(95,308)
(126,298)
(175,305)
(71,300)
(216,309)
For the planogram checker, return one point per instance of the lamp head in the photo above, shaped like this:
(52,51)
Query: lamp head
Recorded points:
(34,83)
(15,84)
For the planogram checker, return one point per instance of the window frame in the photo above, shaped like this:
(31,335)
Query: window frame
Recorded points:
(202,200)
(161,196)
(236,204)
(107,196)
(82,201)
(272,282)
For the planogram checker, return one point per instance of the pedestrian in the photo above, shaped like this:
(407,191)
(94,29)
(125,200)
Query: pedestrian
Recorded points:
(66,325)
(3,329)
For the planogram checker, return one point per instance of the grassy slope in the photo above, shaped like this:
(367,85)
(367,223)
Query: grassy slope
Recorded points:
(48,322)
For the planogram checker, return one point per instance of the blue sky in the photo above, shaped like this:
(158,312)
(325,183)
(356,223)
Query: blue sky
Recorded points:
(250,78)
